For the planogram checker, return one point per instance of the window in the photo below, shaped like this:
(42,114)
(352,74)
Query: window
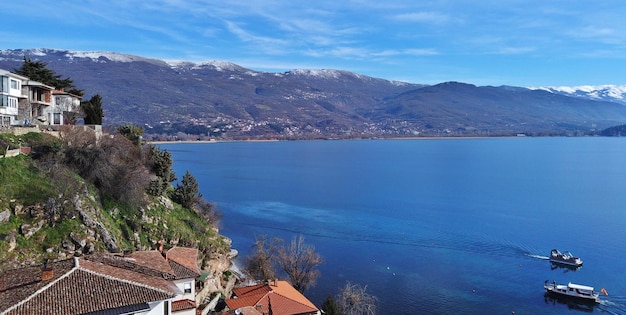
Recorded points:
(5,85)
(57,119)
(187,287)
(5,121)
(4,100)
(14,84)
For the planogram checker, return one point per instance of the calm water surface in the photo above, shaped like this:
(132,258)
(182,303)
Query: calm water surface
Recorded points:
(456,226)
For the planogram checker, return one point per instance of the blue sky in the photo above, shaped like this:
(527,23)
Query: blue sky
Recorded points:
(484,42)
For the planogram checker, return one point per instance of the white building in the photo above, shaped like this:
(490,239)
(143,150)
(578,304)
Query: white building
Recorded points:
(38,100)
(10,96)
(25,102)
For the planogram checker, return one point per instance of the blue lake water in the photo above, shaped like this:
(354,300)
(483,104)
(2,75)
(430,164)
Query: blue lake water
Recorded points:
(454,226)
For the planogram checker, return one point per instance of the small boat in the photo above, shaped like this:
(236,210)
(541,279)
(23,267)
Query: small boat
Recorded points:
(565,258)
(576,291)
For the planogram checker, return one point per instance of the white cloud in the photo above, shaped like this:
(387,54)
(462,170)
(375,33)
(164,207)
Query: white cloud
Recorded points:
(422,17)
(410,52)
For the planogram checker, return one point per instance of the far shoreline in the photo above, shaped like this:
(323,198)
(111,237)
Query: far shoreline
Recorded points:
(331,139)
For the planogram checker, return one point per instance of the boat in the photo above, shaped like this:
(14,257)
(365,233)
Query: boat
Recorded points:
(571,290)
(565,258)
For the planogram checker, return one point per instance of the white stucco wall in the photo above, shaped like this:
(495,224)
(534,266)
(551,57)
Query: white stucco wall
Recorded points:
(158,308)
(181,286)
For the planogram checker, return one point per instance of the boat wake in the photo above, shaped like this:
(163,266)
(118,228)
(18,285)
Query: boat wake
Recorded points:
(538,256)
(613,305)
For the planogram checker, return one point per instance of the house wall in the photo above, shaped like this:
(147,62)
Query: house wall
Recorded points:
(186,312)
(60,104)
(39,99)
(181,286)
(10,92)
(159,308)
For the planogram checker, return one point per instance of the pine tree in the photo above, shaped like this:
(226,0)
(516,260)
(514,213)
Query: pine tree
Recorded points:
(330,307)
(38,71)
(160,162)
(187,193)
(132,133)
(92,110)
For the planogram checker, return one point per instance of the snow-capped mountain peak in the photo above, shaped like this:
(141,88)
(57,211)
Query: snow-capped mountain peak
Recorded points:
(606,92)
(218,65)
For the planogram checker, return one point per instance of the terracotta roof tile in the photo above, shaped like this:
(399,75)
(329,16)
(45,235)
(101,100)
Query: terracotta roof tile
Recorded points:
(137,262)
(139,278)
(181,271)
(152,259)
(83,289)
(182,305)
(252,290)
(246,300)
(185,256)
(285,289)
(97,283)
(280,296)
(16,285)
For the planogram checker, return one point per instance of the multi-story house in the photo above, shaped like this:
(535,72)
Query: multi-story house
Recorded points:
(32,110)
(27,102)
(10,96)
(65,108)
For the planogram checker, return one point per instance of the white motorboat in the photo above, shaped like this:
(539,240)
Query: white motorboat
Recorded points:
(576,291)
(565,258)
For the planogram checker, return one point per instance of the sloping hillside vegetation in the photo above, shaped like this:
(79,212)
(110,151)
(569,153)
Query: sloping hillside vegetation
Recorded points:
(78,193)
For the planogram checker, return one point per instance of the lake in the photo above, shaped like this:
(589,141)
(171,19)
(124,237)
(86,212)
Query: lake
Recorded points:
(446,226)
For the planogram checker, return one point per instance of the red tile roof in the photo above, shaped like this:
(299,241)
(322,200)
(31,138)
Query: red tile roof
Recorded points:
(78,286)
(97,282)
(279,296)
(182,305)
(148,263)
(188,257)
(151,259)
(181,271)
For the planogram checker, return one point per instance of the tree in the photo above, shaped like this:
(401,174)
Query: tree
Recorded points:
(112,164)
(187,192)
(160,162)
(209,212)
(92,110)
(354,300)
(299,262)
(260,265)
(330,307)
(132,133)
(38,71)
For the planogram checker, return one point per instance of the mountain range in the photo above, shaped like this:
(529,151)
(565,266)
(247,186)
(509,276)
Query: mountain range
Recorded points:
(222,100)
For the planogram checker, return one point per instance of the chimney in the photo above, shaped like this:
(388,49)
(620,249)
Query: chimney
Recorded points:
(258,306)
(160,248)
(47,273)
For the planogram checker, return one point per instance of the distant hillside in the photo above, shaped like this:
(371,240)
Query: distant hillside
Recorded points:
(225,101)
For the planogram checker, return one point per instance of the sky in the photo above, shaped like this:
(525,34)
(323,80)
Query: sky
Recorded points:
(483,42)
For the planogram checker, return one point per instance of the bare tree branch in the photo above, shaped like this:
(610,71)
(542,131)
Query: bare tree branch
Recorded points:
(299,261)
(354,300)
